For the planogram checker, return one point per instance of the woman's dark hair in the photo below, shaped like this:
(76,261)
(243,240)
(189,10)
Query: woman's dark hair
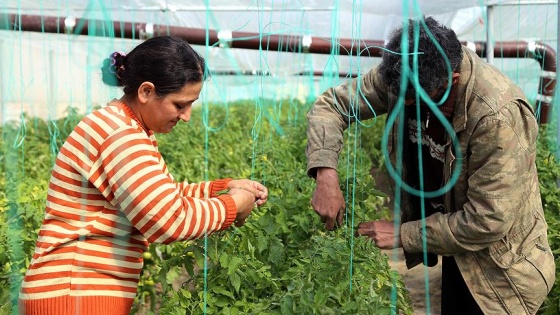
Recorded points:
(432,68)
(168,62)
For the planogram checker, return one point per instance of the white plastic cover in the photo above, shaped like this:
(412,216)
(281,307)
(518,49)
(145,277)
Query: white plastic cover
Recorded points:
(62,70)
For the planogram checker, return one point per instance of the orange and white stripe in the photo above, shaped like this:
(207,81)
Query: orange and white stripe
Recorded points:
(109,196)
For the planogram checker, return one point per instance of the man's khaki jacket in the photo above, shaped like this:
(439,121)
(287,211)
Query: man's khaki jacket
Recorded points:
(494,223)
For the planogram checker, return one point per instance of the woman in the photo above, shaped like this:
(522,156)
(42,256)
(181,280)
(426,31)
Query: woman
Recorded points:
(111,195)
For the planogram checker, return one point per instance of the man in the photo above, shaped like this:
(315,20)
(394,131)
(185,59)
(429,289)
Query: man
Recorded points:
(473,176)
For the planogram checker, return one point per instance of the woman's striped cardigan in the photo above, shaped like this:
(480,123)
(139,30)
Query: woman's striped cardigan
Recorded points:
(109,196)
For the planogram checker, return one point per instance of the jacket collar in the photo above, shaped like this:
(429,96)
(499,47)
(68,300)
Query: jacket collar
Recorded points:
(464,90)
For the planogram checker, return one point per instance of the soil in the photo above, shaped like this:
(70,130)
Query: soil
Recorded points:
(415,282)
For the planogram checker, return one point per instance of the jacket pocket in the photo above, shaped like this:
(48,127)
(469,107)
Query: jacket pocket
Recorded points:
(541,258)
(533,276)
(518,242)
(527,261)
(510,250)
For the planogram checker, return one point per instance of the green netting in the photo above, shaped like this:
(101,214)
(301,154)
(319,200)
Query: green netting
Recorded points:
(249,123)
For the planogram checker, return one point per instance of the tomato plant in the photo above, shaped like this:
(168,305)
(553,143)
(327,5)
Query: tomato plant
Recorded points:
(281,261)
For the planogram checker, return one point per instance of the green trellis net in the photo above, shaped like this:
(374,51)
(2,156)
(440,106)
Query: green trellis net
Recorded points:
(50,56)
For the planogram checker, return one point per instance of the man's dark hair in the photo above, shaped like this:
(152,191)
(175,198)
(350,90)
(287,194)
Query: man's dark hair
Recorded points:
(433,71)
(168,62)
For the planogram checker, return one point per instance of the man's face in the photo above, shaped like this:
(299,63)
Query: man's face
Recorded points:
(436,95)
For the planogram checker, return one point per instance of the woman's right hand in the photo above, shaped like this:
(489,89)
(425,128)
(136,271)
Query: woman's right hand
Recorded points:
(244,201)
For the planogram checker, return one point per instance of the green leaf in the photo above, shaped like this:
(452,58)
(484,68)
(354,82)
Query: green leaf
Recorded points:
(235,281)
(189,266)
(234,265)
(287,305)
(224,260)
(222,291)
(276,252)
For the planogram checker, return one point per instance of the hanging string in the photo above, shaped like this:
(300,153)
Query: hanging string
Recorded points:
(271,112)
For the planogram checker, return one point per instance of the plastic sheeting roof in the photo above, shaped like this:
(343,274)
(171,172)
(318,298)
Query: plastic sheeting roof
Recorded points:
(369,20)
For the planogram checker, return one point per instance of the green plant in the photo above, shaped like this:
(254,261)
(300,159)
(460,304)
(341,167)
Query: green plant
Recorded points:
(548,167)
(281,262)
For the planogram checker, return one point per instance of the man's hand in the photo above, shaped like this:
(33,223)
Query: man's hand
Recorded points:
(327,198)
(382,233)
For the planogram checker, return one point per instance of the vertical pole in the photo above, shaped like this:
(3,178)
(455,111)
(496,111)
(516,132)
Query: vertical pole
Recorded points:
(89,80)
(554,101)
(3,96)
(52,110)
(13,173)
(490,34)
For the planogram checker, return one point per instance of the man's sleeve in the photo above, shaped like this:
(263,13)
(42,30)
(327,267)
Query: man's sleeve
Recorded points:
(359,99)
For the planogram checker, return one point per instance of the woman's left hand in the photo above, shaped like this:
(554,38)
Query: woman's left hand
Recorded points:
(257,189)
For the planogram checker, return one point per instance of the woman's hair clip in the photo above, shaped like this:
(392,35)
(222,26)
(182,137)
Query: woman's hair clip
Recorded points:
(113,57)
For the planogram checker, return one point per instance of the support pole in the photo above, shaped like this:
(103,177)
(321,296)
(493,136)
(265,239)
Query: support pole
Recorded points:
(555,99)
(490,34)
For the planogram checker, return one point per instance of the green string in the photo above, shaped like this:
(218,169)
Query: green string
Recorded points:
(413,76)
(270,112)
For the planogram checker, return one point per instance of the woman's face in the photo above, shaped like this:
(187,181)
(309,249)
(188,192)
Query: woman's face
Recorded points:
(163,113)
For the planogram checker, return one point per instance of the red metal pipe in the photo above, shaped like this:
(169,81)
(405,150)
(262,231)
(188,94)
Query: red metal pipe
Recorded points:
(195,36)
(542,53)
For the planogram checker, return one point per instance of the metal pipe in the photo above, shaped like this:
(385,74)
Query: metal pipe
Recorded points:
(3,96)
(51,84)
(557,94)
(322,73)
(195,36)
(490,34)
(527,2)
(542,53)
